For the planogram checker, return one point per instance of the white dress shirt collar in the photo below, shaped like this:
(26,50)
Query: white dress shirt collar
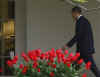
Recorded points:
(79,17)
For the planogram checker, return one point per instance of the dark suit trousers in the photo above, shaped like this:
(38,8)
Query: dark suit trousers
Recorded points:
(90,58)
(94,68)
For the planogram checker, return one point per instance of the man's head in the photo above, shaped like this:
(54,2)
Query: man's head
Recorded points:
(76,11)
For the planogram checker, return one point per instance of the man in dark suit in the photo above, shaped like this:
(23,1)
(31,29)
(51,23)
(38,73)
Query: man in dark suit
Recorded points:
(84,39)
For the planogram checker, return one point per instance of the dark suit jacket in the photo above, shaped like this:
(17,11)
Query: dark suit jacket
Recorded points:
(83,37)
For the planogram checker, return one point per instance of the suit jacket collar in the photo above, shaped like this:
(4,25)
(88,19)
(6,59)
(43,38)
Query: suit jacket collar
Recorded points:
(79,19)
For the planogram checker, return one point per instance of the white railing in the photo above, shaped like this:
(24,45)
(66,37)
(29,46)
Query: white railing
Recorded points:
(83,7)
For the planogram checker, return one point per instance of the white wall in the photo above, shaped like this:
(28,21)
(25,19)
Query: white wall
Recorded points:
(48,23)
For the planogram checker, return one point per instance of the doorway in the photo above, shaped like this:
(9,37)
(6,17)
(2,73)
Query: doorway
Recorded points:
(7,34)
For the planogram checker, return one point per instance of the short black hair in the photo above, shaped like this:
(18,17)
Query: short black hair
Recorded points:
(76,9)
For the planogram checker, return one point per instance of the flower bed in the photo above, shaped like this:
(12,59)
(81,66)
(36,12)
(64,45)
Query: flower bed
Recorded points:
(52,63)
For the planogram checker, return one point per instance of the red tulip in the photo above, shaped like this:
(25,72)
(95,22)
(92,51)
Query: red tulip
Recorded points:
(42,56)
(53,52)
(0,69)
(78,54)
(38,52)
(84,75)
(58,51)
(35,58)
(25,57)
(35,64)
(68,65)
(10,64)
(66,52)
(62,55)
(49,63)
(51,74)
(53,49)
(14,61)
(80,61)
(54,55)
(16,58)
(21,66)
(64,60)
(59,60)
(68,60)
(34,54)
(74,58)
(71,55)
(24,70)
(59,56)
(51,59)
(54,65)
(38,69)
(30,54)
(46,57)
(47,53)
(23,54)
(88,65)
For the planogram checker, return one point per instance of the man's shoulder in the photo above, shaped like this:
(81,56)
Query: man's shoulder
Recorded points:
(84,19)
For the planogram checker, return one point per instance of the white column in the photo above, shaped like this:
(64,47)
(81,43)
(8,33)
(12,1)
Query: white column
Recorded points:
(20,26)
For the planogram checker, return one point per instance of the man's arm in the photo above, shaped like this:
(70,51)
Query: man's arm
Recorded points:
(78,35)
(72,41)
